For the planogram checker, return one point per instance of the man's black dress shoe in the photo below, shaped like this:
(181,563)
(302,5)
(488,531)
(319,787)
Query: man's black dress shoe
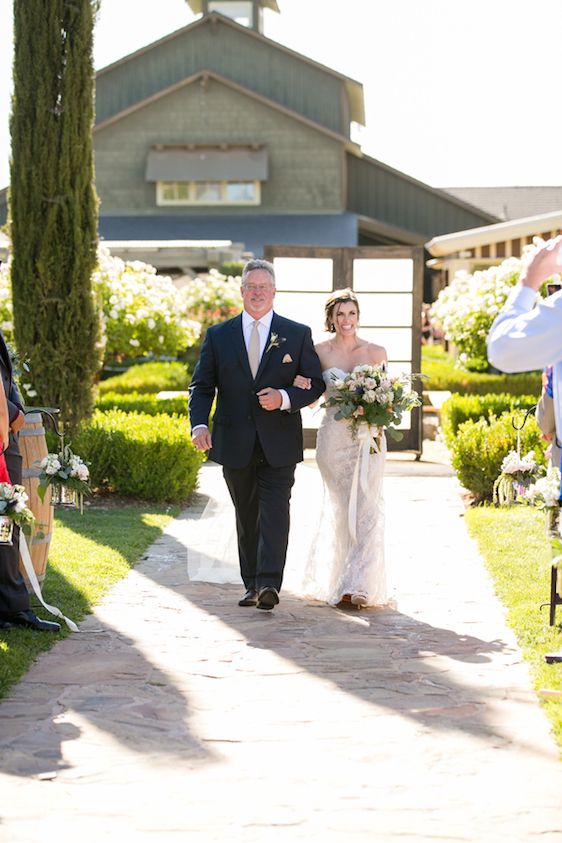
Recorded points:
(30,621)
(268,597)
(250,598)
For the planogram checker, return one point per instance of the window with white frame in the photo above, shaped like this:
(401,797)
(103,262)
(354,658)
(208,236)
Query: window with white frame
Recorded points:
(208,192)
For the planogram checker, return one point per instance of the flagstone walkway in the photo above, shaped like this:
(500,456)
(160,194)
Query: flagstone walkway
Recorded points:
(176,715)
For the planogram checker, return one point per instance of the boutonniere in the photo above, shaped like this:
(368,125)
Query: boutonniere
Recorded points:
(275,341)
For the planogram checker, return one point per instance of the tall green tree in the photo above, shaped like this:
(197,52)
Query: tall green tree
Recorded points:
(53,205)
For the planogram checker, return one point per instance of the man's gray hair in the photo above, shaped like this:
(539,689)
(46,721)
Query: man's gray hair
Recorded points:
(258,263)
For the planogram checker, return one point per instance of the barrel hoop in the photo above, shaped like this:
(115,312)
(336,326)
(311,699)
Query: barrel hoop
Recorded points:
(44,539)
(32,431)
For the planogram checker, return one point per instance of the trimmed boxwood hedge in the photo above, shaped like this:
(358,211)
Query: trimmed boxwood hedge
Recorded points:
(139,455)
(442,374)
(148,378)
(460,408)
(137,402)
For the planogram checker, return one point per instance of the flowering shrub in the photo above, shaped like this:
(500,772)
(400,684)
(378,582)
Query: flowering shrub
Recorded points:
(465,310)
(213,299)
(143,312)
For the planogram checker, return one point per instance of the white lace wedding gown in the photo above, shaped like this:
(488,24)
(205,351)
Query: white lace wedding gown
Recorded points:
(339,564)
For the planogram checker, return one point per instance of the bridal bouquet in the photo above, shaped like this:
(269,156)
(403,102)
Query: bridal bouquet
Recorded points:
(370,395)
(517,474)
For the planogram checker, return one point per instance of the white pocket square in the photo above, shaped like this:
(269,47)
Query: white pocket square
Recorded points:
(287,359)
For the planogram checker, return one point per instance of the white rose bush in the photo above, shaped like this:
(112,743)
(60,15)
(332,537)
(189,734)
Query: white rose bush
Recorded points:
(143,313)
(212,299)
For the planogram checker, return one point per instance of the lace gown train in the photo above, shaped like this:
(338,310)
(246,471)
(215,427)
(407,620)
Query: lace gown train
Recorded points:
(338,564)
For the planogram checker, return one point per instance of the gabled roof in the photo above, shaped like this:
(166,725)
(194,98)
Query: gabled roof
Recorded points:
(354,89)
(204,76)
(510,203)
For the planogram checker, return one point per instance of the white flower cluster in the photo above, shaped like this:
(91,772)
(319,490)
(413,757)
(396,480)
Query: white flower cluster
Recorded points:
(377,386)
(515,464)
(79,469)
(141,310)
(212,299)
(50,464)
(546,491)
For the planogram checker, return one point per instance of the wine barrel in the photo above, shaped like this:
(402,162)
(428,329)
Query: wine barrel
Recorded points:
(33,447)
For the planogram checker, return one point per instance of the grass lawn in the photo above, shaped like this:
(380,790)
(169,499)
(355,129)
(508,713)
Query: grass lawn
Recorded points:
(88,554)
(514,546)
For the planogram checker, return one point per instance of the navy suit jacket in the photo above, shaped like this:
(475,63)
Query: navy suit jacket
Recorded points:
(223,370)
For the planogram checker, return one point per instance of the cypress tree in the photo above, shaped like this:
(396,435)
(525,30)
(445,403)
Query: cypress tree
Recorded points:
(53,205)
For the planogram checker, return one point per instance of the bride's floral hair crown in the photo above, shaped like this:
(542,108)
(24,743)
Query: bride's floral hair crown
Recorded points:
(337,297)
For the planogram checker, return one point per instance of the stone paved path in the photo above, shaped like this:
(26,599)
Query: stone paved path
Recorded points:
(176,715)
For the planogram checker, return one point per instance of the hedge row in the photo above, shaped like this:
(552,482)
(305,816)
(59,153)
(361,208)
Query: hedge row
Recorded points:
(148,378)
(148,457)
(460,408)
(442,376)
(137,402)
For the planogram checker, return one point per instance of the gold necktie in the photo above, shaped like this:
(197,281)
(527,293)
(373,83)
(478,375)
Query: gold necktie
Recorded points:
(254,349)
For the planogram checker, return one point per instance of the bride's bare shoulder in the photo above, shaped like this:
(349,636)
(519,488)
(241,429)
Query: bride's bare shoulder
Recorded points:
(376,353)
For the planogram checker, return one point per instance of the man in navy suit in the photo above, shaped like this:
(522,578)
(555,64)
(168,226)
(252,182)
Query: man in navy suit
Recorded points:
(249,363)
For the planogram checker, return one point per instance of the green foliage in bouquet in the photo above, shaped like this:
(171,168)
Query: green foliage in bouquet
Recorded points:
(64,469)
(145,457)
(479,448)
(460,408)
(148,377)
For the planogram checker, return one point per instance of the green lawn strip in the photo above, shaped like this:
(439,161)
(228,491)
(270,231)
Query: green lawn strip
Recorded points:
(88,554)
(514,547)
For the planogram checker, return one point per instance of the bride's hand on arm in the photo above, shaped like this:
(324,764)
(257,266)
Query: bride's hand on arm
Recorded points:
(304,383)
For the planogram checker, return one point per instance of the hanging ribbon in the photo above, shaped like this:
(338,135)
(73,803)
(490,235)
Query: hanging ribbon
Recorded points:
(366,436)
(32,576)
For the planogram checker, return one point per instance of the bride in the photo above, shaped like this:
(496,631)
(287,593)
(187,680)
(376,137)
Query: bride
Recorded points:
(343,567)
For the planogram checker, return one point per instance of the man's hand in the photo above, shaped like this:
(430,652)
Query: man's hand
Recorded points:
(269,398)
(544,264)
(202,439)
(18,423)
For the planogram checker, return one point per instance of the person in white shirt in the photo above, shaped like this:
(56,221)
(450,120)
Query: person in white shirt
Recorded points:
(526,336)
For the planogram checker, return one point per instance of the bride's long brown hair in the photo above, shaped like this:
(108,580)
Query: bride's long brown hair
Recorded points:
(337,297)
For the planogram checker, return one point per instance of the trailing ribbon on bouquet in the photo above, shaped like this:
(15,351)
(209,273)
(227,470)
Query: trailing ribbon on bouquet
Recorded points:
(367,440)
(32,577)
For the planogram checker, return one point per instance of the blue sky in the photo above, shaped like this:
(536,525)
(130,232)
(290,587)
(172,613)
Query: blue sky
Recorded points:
(457,92)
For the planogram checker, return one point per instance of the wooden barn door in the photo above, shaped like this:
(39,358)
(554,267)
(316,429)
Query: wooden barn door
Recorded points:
(388,281)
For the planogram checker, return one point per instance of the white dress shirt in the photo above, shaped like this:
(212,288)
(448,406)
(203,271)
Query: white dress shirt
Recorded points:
(524,337)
